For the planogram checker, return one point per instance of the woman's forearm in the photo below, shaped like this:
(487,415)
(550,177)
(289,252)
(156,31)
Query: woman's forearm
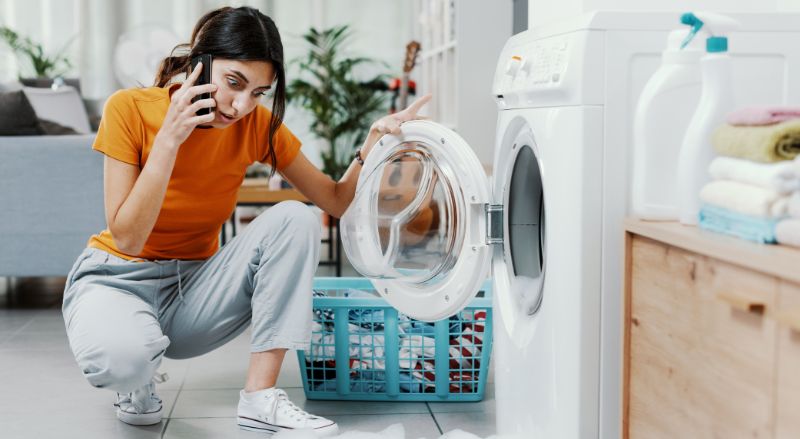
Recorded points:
(137,215)
(345,188)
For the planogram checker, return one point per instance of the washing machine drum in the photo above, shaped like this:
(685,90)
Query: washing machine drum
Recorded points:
(413,224)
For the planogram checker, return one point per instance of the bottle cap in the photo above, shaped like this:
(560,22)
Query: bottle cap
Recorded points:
(716,44)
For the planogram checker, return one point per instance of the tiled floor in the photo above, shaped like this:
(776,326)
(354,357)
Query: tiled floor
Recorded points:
(42,393)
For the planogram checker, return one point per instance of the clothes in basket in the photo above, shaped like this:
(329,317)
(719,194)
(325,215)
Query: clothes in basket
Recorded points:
(416,350)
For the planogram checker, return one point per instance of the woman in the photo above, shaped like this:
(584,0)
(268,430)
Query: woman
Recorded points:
(155,283)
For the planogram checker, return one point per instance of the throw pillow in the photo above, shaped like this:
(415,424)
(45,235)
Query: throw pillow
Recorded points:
(63,105)
(17,117)
(51,128)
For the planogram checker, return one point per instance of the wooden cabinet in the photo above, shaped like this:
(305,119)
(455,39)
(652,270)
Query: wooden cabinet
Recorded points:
(787,419)
(712,345)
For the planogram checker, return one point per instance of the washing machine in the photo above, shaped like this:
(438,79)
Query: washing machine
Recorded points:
(427,225)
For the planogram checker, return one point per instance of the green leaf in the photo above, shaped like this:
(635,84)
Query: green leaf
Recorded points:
(343,107)
(44,65)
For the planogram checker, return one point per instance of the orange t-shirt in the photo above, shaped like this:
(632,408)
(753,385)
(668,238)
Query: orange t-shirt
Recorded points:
(210,166)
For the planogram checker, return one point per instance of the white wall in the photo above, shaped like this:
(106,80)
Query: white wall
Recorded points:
(381,29)
(542,12)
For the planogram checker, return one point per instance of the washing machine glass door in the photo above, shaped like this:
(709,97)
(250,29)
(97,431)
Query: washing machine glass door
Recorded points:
(417,224)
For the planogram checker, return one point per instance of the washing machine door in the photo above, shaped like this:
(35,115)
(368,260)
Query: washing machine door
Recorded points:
(417,224)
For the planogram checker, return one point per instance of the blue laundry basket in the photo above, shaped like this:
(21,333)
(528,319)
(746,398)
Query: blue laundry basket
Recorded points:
(362,349)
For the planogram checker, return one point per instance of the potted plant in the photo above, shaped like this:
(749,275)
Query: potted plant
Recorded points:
(46,67)
(343,106)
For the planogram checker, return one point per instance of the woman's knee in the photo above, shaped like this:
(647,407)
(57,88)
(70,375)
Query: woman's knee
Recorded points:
(121,366)
(291,216)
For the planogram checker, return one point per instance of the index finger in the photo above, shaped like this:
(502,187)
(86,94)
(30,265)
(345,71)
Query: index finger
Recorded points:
(419,103)
(190,80)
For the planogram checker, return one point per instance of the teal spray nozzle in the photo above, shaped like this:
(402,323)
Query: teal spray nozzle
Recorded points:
(712,24)
(691,20)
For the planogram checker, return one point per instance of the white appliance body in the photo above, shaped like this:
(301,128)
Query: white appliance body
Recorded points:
(546,362)
(574,87)
(426,224)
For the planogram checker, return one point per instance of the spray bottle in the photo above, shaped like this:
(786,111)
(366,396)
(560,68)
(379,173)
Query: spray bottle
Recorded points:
(662,115)
(716,100)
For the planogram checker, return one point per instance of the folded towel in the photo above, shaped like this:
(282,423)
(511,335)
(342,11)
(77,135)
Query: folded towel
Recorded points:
(782,177)
(788,232)
(769,143)
(794,205)
(745,199)
(724,221)
(761,115)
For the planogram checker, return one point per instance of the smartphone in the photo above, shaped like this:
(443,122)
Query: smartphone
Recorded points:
(204,78)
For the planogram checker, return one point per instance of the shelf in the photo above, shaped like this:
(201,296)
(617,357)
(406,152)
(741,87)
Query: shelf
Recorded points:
(425,54)
(777,260)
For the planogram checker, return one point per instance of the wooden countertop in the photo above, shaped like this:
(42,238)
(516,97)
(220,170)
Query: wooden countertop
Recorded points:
(777,260)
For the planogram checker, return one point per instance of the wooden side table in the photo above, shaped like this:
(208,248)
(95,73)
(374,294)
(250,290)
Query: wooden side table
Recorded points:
(255,192)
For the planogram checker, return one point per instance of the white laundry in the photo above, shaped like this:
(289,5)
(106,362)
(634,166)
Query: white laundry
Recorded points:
(395,431)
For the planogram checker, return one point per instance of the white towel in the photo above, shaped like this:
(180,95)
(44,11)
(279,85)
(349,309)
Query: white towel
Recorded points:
(794,205)
(788,232)
(783,177)
(745,199)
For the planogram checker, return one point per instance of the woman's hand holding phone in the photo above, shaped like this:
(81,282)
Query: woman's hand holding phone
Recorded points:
(181,116)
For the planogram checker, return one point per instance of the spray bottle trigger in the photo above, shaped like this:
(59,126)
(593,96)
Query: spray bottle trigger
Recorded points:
(690,19)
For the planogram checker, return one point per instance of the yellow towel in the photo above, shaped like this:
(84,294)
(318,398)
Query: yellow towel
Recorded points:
(768,143)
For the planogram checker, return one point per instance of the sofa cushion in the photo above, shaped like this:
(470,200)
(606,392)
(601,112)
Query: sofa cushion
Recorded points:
(17,117)
(51,202)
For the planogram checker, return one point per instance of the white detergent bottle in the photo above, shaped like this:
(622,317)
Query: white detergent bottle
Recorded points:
(716,100)
(662,114)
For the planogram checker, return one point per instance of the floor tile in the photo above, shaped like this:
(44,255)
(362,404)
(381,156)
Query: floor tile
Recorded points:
(210,428)
(76,428)
(487,405)
(12,320)
(223,368)
(219,403)
(48,320)
(176,370)
(223,402)
(478,423)
(415,426)
(39,371)
(226,368)
(26,340)
(332,408)
(83,403)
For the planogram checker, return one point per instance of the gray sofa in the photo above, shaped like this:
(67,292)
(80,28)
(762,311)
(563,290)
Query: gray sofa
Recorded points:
(51,202)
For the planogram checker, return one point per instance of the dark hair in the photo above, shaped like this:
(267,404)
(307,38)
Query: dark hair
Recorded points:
(244,34)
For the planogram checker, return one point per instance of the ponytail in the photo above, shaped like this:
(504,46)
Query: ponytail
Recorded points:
(174,65)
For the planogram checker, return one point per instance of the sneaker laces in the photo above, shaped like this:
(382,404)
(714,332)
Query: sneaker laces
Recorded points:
(143,399)
(279,397)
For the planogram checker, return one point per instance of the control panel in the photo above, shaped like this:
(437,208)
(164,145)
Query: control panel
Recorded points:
(541,64)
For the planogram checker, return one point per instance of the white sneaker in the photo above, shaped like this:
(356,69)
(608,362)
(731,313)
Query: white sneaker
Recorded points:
(271,411)
(142,406)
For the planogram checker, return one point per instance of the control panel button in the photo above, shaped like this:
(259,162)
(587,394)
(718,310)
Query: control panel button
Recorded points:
(513,65)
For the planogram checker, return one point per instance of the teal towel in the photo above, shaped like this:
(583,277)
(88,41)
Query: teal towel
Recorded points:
(746,227)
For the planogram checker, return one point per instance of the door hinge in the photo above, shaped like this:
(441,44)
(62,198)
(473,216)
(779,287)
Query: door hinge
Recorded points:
(494,223)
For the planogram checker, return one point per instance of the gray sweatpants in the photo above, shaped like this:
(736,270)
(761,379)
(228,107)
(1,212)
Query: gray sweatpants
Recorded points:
(123,316)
